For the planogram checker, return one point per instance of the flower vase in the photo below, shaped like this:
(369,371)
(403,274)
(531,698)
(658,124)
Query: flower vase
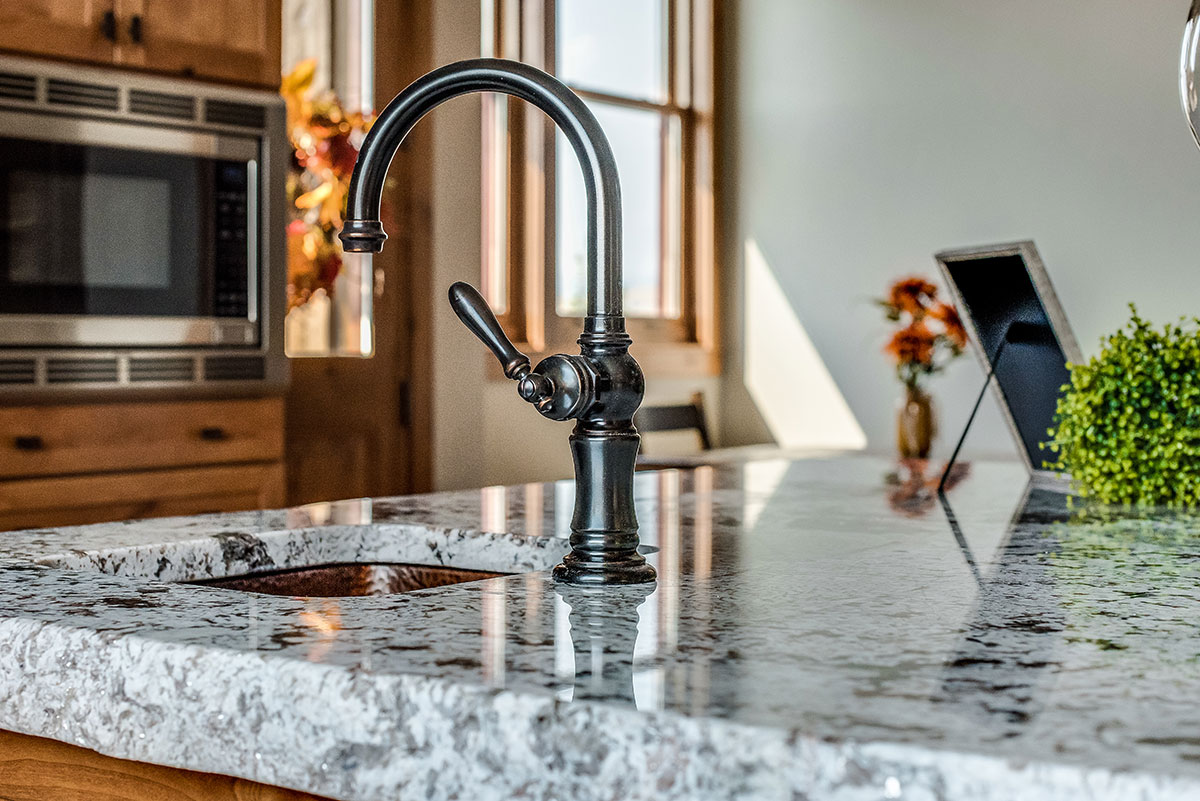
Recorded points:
(915,426)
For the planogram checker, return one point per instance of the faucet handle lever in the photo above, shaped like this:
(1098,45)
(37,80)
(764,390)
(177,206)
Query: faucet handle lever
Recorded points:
(477,316)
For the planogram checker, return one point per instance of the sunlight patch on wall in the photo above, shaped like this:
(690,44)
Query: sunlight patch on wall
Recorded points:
(796,395)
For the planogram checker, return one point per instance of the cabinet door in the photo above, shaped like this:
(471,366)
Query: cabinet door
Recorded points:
(33,769)
(236,41)
(68,29)
(78,500)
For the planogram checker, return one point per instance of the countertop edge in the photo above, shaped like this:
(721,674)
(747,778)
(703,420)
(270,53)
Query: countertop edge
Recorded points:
(424,735)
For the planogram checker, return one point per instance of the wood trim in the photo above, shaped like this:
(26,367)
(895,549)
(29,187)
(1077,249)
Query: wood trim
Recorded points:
(273,48)
(36,769)
(704,191)
(670,107)
(403,52)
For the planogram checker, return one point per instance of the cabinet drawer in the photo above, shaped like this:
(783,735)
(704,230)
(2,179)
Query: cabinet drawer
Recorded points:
(111,437)
(33,769)
(78,500)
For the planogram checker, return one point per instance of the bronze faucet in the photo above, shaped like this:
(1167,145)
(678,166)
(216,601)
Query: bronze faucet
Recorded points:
(600,388)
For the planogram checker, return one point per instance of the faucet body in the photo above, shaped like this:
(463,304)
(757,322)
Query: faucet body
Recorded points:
(602,386)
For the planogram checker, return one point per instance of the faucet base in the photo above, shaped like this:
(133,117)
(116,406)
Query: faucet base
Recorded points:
(602,572)
(604,529)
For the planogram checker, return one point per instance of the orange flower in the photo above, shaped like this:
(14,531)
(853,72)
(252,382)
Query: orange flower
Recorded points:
(949,318)
(912,344)
(929,333)
(912,295)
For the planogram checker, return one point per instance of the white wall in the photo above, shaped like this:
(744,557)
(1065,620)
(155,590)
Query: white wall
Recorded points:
(482,432)
(868,134)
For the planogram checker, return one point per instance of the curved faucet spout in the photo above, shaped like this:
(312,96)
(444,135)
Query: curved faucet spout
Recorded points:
(363,231)
(601,387)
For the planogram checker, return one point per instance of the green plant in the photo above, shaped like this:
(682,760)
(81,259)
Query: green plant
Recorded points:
(1127,427)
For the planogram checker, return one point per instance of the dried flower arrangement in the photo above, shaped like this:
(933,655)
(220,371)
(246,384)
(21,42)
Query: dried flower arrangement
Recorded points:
(930,333)
(325,139)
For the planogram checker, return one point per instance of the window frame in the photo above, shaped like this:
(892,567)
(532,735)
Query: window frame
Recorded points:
(518,240)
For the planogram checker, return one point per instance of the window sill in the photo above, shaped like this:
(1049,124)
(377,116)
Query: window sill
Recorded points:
(657,359)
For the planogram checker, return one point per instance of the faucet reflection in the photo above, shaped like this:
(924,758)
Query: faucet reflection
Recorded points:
(604,632)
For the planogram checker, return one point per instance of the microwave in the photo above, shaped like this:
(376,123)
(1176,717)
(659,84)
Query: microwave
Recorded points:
(141,232)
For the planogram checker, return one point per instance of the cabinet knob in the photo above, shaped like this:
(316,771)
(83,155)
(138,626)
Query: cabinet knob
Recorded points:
(108,25)
(135,28)
(214,434)
(30,443)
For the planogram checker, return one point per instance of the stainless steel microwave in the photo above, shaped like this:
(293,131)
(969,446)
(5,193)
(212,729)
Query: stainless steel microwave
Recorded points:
(141,231)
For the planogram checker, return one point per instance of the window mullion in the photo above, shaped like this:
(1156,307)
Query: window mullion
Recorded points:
(622,100)
(541,175)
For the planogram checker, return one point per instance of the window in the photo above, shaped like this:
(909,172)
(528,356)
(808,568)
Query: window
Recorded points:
(644,67)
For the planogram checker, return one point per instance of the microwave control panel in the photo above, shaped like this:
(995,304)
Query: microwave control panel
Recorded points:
(231,279)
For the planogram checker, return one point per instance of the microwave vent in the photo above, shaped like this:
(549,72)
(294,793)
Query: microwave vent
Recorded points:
(160,104)
(245,115)
(81,371)
(171,368)
(18,87)
(235,368)
(87,95)
(18,371)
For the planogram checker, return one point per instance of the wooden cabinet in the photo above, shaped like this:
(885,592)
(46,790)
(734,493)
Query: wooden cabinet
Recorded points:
(34,769)
(105,437)
(70,29)
(88,463)
(222,40)
(233,41)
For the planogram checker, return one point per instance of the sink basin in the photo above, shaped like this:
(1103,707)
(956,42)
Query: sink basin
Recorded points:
(344,580)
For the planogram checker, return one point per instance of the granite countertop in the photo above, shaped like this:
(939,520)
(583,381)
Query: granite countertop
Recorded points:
(808,639)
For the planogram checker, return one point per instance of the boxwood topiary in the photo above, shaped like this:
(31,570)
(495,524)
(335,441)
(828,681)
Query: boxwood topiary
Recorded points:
(1127,427)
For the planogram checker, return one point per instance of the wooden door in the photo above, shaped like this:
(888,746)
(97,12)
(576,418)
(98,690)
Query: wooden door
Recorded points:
(360,427)
(236,41)
(65,29)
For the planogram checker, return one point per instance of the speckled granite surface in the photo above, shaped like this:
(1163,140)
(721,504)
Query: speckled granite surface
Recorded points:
(807,640)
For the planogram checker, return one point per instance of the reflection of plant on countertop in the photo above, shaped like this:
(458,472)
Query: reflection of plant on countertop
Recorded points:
(1127,427)
(325,139)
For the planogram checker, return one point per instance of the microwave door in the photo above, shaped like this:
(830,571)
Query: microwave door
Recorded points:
(117,234)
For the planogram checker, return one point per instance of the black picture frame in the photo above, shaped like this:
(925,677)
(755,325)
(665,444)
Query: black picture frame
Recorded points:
(1002,293)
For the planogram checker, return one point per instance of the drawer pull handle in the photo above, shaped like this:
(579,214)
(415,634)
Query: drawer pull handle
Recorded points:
(214,434)
(29,443)
(108,25)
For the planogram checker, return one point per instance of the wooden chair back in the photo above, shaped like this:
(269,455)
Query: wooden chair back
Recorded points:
(679,417)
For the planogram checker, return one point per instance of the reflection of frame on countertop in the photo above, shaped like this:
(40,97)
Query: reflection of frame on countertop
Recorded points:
(1050,306)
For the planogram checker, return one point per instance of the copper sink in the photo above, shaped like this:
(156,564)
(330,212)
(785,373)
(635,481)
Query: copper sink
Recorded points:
(339,581)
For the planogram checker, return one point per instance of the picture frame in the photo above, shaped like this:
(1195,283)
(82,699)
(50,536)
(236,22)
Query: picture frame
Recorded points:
(994,286)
